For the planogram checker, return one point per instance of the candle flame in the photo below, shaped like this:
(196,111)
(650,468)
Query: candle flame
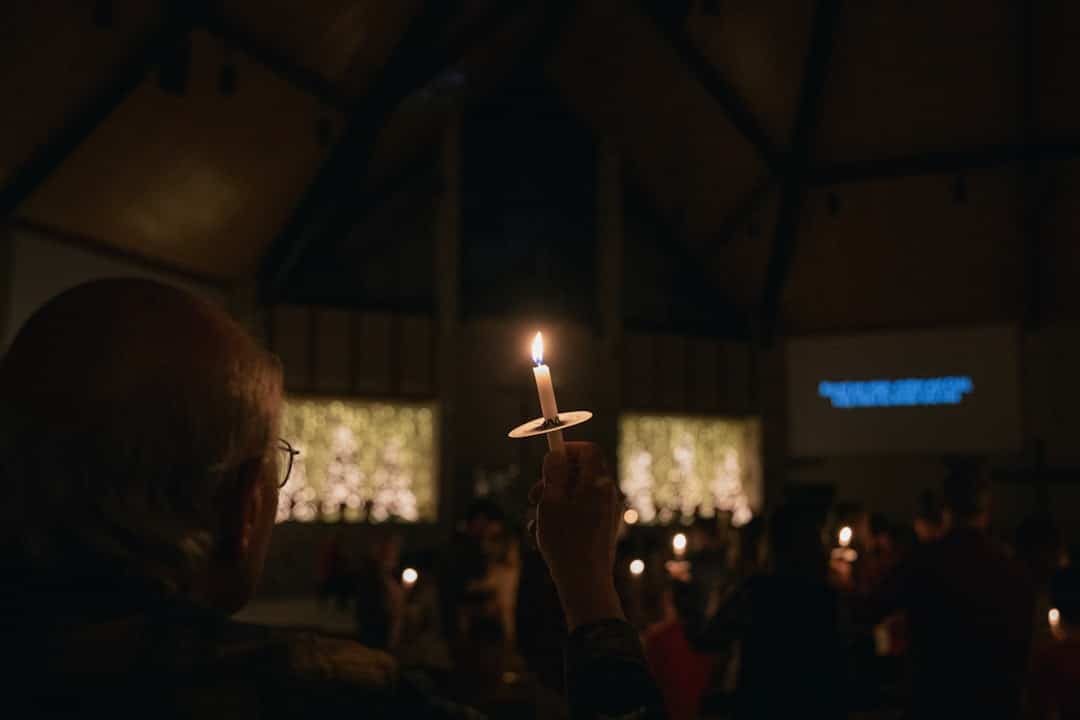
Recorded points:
(678,542)
(1054,616)
(845,536)
(538,349)
(409,576)
(637,566)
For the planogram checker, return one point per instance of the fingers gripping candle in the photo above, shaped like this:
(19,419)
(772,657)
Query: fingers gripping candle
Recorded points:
(546,391)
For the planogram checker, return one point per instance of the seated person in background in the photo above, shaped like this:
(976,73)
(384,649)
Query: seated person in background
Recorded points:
(140,461)
(1055,682)
(785,618)
(968,611)
(1040,549)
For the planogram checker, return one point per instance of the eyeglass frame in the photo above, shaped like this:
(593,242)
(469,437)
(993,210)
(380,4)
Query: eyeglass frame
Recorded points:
(286,447)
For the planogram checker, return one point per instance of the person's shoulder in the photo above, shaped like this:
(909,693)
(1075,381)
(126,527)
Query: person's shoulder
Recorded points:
(308,658)
(313,672)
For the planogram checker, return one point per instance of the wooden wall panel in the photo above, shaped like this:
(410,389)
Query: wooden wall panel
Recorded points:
(416,356)
(703,377)
(372,371)
(670,373)
(290,333)
(737,377)
(332,361)
(638,368)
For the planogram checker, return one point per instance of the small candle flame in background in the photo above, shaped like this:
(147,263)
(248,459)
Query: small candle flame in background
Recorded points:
(637,566)
(845,536)
(630,517)
(678,544)
(409,576)
(538,349)
(1054,617)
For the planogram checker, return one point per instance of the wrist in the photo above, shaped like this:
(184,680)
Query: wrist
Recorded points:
(583,605)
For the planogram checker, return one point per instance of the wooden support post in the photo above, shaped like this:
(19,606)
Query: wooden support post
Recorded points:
(447,254)
(7,278)
(609,272)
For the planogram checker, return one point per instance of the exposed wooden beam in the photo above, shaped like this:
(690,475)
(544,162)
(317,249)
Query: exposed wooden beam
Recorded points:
(639,205)
(943,162)
(239,38)
(742,214)
(99,247)
(1034,194)
(7,274)
(31,173)
(714,83)
(326,207)
(793,185)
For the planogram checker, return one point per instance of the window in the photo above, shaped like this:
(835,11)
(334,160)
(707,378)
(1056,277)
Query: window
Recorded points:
(360,461)
(676,466)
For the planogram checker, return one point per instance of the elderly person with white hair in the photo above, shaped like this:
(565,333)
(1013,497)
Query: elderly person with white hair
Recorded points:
(140,462)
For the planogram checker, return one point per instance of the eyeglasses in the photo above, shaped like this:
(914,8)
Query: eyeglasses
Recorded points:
(286,466)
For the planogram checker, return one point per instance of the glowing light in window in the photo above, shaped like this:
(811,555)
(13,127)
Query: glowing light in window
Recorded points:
(359,461)
(904,392)
(677,467)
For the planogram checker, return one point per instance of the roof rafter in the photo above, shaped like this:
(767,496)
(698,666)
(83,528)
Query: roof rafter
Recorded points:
(425,161)
(793,182)
(714,83)
(30,174)
(943,162)
(304,79)
(328,203)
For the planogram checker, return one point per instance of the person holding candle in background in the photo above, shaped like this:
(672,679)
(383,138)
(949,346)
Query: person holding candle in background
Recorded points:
(953,591)
(1055,681)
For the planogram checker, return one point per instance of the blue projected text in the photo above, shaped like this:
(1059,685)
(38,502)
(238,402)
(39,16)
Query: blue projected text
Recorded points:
(903,392)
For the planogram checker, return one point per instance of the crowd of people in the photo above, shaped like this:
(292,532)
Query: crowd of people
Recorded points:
(809,611)
(141,464)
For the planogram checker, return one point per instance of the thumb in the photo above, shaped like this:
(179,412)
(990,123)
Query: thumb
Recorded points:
(556,476)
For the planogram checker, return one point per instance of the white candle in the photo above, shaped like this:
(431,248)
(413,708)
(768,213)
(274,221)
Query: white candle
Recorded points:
(546,391)
(678,544)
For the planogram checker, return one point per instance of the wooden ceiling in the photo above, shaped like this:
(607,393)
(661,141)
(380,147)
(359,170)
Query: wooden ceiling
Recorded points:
(704,105)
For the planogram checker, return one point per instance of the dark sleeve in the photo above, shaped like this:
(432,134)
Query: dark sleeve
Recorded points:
(891,595)
(607,676)
(717,633)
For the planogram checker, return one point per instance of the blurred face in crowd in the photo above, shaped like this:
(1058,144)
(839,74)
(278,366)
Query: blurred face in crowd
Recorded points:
(927,531)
